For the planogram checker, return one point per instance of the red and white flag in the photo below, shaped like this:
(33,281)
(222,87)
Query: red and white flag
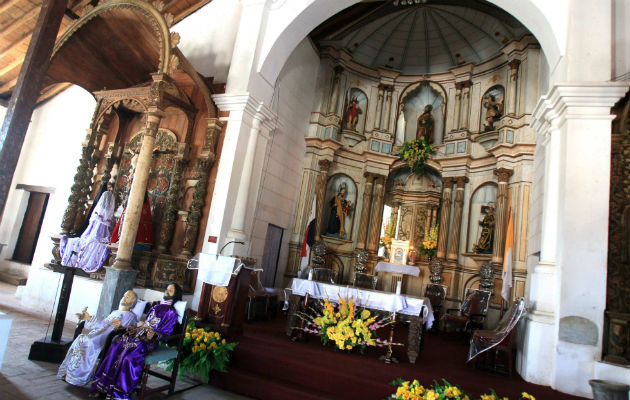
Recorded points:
(309,238)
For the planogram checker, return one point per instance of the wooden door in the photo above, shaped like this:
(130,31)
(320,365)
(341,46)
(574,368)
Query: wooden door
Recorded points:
(31,225)
(273,242)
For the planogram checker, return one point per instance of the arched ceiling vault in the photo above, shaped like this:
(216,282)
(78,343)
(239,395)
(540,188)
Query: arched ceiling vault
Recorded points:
(424,38)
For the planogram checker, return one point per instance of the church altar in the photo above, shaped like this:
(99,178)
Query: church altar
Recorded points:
(418,310)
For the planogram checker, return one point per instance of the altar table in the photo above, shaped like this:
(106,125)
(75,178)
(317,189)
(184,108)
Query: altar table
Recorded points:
(417,309)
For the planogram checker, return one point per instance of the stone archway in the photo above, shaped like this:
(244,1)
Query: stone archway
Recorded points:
(295,25)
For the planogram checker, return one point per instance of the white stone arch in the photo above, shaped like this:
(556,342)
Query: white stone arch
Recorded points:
(283,38)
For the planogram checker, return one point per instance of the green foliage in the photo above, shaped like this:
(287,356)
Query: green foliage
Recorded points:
(204,351)
(415,153)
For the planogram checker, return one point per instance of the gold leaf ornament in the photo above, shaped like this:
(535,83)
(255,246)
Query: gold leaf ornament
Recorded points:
(174,39)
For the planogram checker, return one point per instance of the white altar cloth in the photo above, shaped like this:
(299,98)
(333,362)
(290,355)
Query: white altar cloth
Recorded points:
(383,266)
(373,299)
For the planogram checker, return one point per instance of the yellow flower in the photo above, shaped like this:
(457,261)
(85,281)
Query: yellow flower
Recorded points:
(432,395)
(365,314)
(223,341)
(526,395)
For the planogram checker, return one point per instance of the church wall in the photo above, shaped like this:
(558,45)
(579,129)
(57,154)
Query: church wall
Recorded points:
(207,37)
(53,148)
(621,40)
(282,168)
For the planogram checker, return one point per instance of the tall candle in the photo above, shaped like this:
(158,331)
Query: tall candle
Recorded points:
(398,287)
(310,275)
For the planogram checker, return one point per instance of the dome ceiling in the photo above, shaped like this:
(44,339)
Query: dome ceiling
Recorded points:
(422,38)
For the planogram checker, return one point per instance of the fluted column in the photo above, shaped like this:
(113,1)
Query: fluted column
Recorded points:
(428,221)
(136,194)
(453,245)
(334,97)
(513,74)
(445,215)
(365,211)
(377,214)
(324,167)
(379,107)
(465,105)
(388,108)
(500,221)
(458,104)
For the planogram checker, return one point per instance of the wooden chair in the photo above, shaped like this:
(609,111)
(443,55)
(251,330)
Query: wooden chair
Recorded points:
(436,294)
(324,275)
(472,312)
(365,281)
(164,353)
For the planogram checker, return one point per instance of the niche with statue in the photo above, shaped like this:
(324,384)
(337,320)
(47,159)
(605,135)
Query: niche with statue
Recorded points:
(339,206)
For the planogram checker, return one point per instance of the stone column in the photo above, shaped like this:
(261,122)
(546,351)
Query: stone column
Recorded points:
(453,245)
(465,105)
(388,108)
(237,228)
(501,213)
(334,97)
(379,107)
(136,194)
(458,104)
(445,215)
(377,214)
(324,167)
(513,85)
(365,211)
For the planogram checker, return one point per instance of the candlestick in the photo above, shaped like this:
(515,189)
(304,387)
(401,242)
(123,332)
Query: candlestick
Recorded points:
(398,287)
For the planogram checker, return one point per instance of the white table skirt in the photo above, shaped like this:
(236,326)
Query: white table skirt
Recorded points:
(373,299)
(383,266)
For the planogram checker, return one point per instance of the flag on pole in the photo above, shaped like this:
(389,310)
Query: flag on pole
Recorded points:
(507,260)
(309,238)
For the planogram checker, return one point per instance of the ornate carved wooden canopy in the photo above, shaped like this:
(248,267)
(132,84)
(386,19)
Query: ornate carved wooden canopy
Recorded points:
(117,45)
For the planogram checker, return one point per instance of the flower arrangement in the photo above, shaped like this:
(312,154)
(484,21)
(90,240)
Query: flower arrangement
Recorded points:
(429,244)
(406,390)
(415,153)
(346,325)
(204,351)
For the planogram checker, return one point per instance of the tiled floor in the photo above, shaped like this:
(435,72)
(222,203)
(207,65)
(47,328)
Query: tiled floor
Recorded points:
(24,379)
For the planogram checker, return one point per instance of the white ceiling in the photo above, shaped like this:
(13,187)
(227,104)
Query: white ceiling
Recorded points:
(426,38)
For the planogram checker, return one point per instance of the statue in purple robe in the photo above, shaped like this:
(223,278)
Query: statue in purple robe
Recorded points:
(89,251)
(82,357)
(120,371)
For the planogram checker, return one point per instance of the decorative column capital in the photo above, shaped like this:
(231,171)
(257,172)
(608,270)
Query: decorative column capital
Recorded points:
(448,182)
(514,64)
(461,181)
(463,85)
(503,174)
(324,165)
(338,70)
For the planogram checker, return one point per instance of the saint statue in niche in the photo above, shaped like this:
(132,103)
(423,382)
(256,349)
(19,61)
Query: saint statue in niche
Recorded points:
(425,125)
(494,111)
(352,113)
(484,245)
(339,208)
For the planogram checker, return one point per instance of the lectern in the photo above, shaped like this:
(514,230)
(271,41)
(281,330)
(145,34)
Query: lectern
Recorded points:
(221,291)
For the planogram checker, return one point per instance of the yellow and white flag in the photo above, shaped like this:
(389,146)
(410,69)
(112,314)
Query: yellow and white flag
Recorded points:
(507,260)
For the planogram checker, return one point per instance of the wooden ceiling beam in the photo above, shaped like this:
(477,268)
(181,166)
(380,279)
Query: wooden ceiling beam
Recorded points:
(7,4)
(16,44)
(19,22)
(11,65)
(8,86)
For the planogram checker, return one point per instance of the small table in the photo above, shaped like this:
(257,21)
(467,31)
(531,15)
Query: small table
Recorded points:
(418,309)
(397,271)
